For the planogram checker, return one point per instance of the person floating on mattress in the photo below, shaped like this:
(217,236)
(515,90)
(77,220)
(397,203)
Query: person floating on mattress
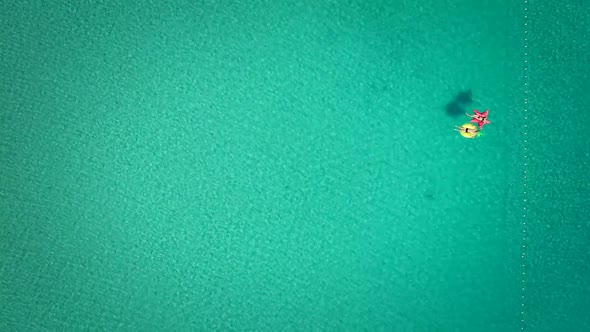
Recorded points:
(468,130)
(480,118)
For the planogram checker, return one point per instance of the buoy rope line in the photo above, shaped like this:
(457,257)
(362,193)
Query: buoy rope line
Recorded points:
(525,166)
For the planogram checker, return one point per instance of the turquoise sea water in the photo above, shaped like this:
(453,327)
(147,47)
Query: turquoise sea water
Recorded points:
(291,166)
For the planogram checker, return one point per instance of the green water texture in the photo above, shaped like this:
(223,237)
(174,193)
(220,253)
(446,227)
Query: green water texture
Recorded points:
(274,165)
